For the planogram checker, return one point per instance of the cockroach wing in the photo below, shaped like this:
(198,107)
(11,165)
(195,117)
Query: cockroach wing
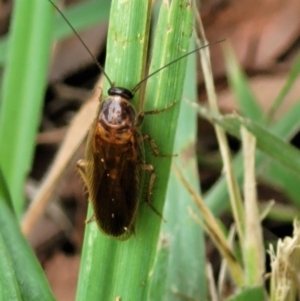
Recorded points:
(116,181)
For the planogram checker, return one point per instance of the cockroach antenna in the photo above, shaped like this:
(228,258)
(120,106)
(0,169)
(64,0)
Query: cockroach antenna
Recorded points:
(137,86)
(82,42)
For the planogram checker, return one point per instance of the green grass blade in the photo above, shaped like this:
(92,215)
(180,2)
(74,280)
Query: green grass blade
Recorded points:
(217,197)
(235,197)
(289,124)
(21,276)
(247,101)
(9,289)
(3,49)
(253,251)
(111,268)
(276,174)
(29,278)
(159,285)
(267,142)
(22,91)
(293,75)
(255,293)
(180,231)
(281,177)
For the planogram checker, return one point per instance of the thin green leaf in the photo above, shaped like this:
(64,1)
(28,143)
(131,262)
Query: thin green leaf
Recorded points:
(239,85)
(217,197)
(21,276)
(159,285)
(122,268)
(249,294)
(9,288)
(232,182)
(276,174)
(267,142)
(279,176)
(22,91)
(291,79)
(180,231)
(253,247)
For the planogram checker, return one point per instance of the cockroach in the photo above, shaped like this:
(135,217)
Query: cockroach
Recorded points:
(114,168)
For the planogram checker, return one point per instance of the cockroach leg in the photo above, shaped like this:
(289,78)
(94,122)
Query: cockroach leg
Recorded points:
(160,110)
(81,167)
(150,168)
(91,219)
(141,116)
(154,148)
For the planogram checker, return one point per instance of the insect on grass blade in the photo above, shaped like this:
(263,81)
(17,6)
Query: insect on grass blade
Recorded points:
(114,166)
